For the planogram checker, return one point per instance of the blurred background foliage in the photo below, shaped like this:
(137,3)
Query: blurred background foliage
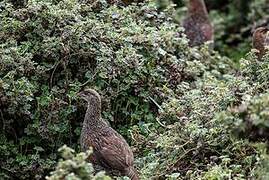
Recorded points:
(234,22)
(187,112)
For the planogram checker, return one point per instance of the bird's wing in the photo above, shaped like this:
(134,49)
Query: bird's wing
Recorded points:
(115,152)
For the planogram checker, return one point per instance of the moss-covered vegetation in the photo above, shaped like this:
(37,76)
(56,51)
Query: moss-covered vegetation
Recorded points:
(188,113)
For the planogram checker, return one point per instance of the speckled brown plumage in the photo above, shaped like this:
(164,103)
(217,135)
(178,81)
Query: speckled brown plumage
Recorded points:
(110,150)
(197,24)
(260,40)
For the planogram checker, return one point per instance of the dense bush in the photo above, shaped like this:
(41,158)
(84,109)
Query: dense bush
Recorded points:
(75,167)
(178,107)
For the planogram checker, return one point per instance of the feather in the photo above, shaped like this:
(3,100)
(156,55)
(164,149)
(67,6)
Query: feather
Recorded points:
(110,150)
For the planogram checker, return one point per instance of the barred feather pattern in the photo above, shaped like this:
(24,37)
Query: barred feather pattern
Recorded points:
(110,150)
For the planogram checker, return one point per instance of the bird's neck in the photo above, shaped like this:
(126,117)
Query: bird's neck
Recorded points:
(92,118)
(197,7)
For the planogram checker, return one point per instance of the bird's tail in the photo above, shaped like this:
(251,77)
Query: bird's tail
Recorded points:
(132,173)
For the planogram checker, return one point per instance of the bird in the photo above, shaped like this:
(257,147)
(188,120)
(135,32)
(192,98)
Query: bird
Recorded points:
(110,150)
(260,40)
(197,25)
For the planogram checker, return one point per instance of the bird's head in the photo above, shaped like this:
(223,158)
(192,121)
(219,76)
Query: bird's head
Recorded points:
(260,39)
(261,32)
(90,95)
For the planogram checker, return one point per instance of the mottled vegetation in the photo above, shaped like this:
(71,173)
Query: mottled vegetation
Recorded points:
(186,112)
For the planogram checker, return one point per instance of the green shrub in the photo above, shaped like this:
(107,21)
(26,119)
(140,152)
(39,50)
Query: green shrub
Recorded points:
(172,102)
(51,49)
(75,167)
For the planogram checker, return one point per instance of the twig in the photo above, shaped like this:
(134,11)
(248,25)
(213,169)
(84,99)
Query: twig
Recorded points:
(161,124)
(156,103)
(54,69)
(84,84)
(2,117)
(183,155)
